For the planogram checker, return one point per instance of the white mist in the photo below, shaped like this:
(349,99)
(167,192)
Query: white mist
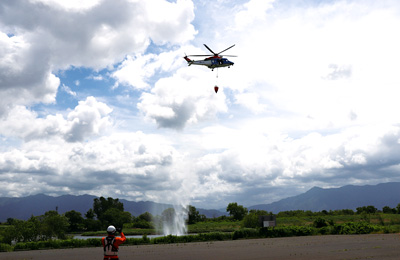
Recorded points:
(176,225)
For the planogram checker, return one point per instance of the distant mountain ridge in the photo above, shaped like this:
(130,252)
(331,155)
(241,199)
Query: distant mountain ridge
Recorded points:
(346,197)
(24,207)
(36,205)
(316,199)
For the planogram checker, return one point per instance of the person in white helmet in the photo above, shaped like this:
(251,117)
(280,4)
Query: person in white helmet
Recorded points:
(111,243)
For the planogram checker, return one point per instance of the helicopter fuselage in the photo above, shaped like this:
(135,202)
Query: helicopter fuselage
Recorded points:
(211,62)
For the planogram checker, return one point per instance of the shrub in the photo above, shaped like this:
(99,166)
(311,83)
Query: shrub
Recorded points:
(325,230)
(93,242)
(5,247)
(355,228)
(245,233)
(68,243)
(288,231)
(214,236)
(319,223)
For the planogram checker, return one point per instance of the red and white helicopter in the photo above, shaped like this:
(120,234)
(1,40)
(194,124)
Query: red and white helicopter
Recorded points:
(212,62)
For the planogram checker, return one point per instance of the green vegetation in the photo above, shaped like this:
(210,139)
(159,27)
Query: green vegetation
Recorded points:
(214,226)
(51,229)
(237,212)
(45,227)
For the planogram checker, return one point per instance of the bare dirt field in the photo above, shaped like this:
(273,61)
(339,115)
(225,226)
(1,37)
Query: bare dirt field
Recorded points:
(377,246)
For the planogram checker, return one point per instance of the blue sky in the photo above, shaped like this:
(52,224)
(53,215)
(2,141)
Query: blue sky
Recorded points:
(97,99)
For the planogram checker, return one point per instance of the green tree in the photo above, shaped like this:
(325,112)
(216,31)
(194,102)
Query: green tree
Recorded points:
(53,225)
(146,217)
(101,205)
(92,224)
(367,210)
(90,214)
(15,232)
(347,212)
(251,220)
(389,210)
(193,215)
(116,217)
(10,221)
(320,222)
(108,212)
(8,235)
(23,231)
(236,211)
(144,220)
(291,213)
(75,220)
(32,229)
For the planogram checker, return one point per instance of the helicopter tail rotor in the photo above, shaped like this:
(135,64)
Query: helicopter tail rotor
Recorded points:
(189,61)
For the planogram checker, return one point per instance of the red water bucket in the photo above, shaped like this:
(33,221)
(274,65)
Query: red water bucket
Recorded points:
(216,89)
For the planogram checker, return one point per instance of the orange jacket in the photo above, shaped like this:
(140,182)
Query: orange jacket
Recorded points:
(118,241)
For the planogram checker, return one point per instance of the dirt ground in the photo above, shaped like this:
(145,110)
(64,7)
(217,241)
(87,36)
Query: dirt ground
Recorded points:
(377,246)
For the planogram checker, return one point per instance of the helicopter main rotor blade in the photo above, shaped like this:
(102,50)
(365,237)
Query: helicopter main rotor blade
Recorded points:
(210,50)
(224,50)
(208,55)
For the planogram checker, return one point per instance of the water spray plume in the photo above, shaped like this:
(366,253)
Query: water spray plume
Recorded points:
(174,222)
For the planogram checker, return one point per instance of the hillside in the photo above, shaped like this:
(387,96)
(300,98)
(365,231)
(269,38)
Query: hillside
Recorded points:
(346,197)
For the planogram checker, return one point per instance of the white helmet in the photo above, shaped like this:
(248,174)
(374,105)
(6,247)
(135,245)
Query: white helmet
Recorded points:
(111,230)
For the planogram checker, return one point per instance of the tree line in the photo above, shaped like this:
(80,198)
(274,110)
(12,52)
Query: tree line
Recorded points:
(250,218)
(104,212)
(111,211)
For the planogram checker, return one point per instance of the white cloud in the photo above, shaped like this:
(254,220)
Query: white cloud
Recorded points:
(170,22)
(254,11)
(68,89)
(185,98)
(51,35)
(256,166)
(71,5)
(322,61)
(89,118)
(130,163)
(137,71)
(146,166)
(21,80)
(251,101)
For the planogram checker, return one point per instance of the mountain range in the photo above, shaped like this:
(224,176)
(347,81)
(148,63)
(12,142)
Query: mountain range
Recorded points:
(346,197)
(316,199)
(36,205)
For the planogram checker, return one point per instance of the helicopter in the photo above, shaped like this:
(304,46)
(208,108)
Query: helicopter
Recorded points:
(212,62)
